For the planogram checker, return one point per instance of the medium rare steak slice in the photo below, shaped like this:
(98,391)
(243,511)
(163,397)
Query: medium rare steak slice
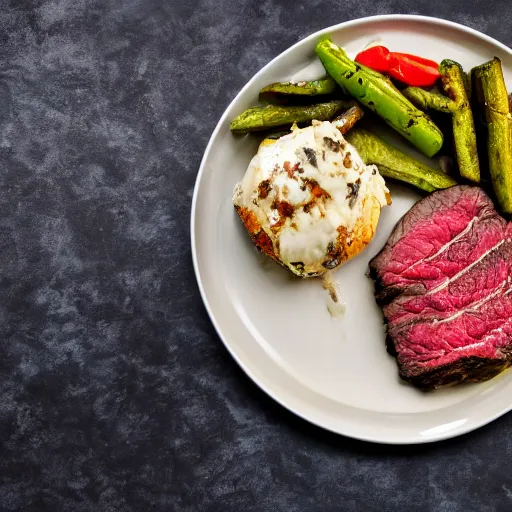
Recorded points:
(444,280)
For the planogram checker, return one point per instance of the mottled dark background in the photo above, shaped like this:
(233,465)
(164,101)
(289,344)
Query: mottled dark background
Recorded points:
(116,394)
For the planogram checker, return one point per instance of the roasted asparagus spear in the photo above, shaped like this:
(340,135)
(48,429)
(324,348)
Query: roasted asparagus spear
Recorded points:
(453,80)
(392,163)
(272,116)
(377,92)
(492,106)
(425,100)
(297,90)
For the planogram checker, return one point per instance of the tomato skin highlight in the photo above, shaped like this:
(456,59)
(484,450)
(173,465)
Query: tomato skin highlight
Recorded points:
(412,72)
(415,58)
(407,68)
(376,58)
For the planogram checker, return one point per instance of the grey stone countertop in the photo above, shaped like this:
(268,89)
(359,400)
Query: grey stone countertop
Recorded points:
(116,393)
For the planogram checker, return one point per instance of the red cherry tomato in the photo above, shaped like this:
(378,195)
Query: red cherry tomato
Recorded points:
(412,72)
(415,58)
(409,69)
(376,58)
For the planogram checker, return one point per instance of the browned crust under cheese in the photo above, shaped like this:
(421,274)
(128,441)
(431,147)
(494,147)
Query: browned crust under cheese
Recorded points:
(348,244)
(256,232)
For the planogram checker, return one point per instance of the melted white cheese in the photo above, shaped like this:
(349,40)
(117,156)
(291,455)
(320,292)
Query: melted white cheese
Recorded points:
(312,172)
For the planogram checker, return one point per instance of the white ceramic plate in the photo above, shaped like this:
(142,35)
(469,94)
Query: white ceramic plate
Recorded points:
(333,372)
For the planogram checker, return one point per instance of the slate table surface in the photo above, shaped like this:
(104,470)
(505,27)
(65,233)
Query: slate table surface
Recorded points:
(115,392)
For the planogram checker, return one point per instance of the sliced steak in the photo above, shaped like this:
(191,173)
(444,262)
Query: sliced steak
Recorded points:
(444,280)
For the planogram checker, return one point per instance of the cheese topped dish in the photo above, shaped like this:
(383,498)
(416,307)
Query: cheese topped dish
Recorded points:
(308,201)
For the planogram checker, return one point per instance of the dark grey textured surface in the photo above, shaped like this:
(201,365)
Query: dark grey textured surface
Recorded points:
(116,394)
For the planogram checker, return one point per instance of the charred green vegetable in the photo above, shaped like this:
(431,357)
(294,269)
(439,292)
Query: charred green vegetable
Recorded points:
(377,92)
(392,163)
(349,118)
(272,116)
(289,90)
(454,84)
(491,103)
(429,100)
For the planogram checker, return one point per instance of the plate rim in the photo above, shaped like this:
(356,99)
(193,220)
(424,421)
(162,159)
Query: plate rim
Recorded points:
(463,429)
